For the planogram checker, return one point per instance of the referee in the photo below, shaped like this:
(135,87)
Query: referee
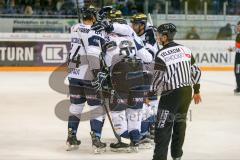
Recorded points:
(175,75)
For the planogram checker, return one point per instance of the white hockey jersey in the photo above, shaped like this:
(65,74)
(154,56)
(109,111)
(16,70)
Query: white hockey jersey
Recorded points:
(120,46)
(127,31)
(85,50)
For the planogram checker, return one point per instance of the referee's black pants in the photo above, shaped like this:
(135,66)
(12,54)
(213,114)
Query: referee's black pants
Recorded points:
(171,122)
(237,70)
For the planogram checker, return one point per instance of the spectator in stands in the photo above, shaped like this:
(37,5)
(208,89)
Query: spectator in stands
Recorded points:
(238,7)
(214,6)
(28,10)
(157,9)
(138,6)
(127,8)
(233,7)
(27,2)
(193,6)
(176,4)
(156,6)
(1,7)
(59,5)
(192,34)
(44,7)
(225,33)
(6,3)
(68,7)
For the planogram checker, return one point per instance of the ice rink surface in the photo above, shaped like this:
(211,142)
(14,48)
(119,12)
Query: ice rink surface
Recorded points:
(29,128)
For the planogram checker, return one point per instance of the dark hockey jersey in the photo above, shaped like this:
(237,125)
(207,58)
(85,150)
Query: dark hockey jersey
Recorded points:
(238,43)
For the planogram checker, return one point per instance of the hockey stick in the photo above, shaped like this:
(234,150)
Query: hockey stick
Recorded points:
(78,11)
(151,23)
(109,117)
(103,100)
(150,19)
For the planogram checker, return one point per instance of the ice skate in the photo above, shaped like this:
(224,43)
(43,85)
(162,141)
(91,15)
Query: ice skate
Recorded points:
(72,142)
(98,146)
(145,143)
(237,92)
(134,146)
(120,147)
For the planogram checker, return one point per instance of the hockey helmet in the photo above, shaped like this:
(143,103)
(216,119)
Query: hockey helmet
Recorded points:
(167,29)
(139,18)
(88,12)
(115,14)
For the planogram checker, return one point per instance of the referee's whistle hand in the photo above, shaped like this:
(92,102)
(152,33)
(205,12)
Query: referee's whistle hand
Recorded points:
(197,98)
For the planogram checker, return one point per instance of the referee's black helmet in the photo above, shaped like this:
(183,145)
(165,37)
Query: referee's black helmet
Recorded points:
(167,29)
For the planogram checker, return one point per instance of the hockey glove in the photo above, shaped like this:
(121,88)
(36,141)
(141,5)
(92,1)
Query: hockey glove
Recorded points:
(97,27)
(103,13)
(101,81)
(104,25)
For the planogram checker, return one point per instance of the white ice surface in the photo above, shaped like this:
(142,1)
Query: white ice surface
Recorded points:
(29,128)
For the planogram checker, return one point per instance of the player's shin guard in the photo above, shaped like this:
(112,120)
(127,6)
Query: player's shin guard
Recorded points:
(96,130)
(146,126)
(134,117)
(73,122)
(154,105)
(146,142)
(96,126)
(120,125)
(97,122)
(74,118)
(119,120)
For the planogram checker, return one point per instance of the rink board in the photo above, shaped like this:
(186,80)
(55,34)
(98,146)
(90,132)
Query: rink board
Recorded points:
(46,52)
(50,69)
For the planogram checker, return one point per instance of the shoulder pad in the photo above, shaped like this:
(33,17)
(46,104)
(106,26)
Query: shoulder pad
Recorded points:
(81,27)
(75,27)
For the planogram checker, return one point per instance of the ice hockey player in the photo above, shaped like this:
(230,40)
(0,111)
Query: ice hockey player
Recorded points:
(84,64)
(125,54)
(147,33)
(237,61)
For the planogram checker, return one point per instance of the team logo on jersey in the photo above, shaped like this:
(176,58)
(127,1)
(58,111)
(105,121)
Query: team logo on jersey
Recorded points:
(124,44)
(54,53)
(187,55)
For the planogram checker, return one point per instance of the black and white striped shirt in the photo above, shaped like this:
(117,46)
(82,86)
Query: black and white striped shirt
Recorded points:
(175,68)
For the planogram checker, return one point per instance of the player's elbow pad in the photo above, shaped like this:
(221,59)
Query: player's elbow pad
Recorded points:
(147,56)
